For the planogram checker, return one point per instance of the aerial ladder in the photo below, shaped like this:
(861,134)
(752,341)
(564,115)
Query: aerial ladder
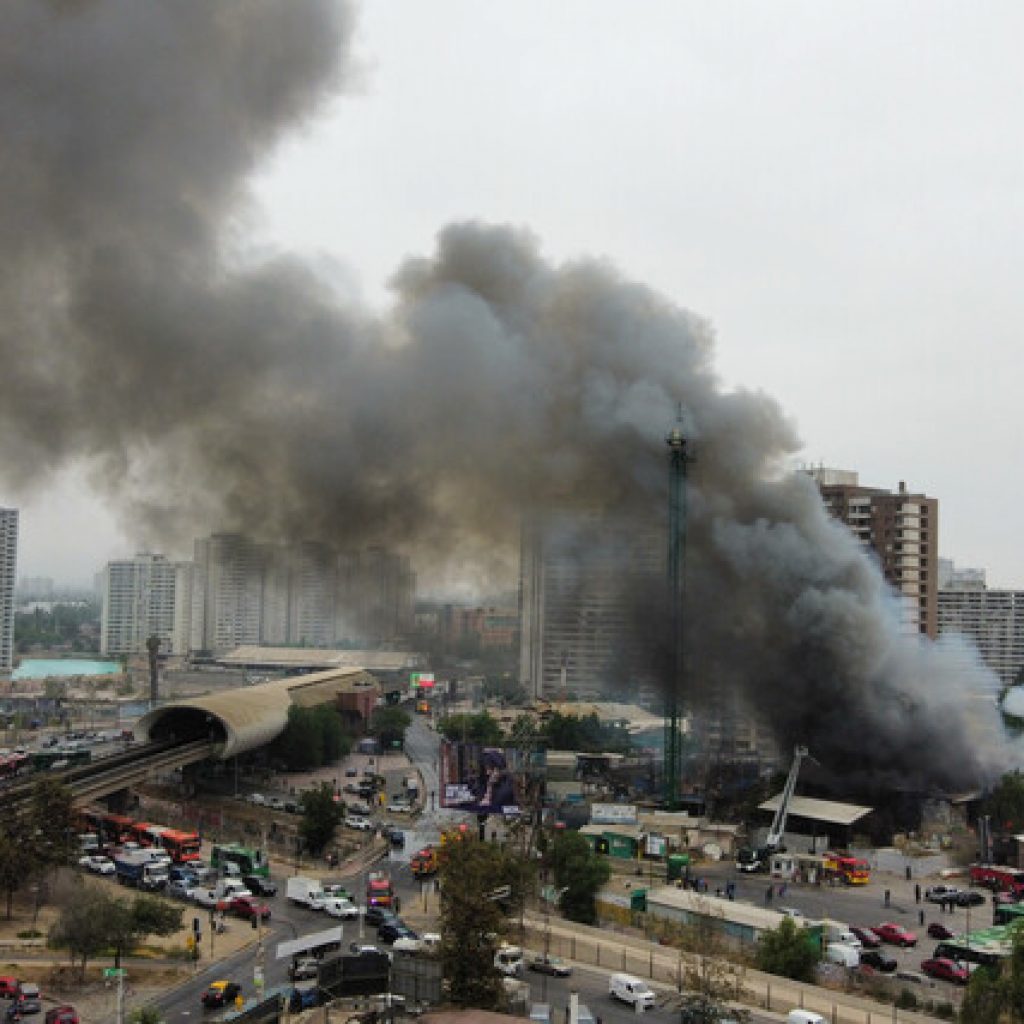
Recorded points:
(750,860)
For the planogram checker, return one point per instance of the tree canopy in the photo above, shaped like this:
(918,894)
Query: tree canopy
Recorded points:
(388,724)
(996,995)
(93,920)
(1005,803)
(472,728)
(580,872)
(787,951)
(312,737)
(321,815)
(472,916)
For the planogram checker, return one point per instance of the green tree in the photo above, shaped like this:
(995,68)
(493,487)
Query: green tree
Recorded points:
(580,873)
(300,746)
(787,951)
(389,724)
(85,924)
(480,728)
(13,846)
(470,872)
(995,995)
(335,742)
(321,815)
(51,817)
(1006,802)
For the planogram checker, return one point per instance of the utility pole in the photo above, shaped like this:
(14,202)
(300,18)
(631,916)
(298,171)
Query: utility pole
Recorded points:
(678,460)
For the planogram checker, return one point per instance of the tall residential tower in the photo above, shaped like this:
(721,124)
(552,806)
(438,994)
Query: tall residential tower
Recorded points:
(8,567)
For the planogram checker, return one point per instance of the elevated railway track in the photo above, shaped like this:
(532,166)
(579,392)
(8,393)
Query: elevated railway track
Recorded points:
(107,775)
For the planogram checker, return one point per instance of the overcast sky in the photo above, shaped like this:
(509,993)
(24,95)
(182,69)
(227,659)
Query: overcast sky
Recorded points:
(837,187)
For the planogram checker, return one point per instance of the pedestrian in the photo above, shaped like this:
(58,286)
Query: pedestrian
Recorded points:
(768,894)
(917,893)
(920,918)
(782,889)
(888,896)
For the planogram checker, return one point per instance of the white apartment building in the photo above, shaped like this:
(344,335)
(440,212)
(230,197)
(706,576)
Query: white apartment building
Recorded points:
(993,620)
(146,596)
(8,568)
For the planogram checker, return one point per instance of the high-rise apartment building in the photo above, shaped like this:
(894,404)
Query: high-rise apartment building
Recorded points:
(902,529)
(8,568)
(146,596)
(302,595)
(576,599)
(993,620)
(227,592)
(376,592)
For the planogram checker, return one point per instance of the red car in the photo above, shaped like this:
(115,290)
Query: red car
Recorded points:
(249,907)
(62,1015)
(868,939)
(946,970)
(894,934)
(939,931)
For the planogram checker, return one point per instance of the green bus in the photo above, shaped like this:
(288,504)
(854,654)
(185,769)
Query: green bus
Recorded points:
(248,861)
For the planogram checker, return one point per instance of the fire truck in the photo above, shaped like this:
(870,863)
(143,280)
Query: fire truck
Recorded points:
(998,878)
(379,891)
(848,869)
(424,862)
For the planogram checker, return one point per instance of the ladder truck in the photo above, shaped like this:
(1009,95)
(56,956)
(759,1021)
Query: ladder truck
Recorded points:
(750,860)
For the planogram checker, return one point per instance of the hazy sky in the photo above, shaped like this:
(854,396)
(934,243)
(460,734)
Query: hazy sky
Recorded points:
(838,187)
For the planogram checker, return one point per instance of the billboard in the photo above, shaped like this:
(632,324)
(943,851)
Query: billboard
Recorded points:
(421,681)
(481,780)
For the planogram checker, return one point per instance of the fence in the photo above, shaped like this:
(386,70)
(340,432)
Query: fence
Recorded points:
(670,968)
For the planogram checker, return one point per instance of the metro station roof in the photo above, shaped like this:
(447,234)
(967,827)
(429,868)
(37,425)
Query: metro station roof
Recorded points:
(819,810)
(254,656)
(252,716)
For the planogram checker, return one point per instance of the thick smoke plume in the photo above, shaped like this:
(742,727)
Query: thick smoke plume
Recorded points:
(210,390)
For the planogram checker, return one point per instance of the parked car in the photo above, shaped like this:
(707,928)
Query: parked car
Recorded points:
(938,893)
(30,999)
(946,970)
(338,906)
(391,930)
(376,916)
(259,886)
(358,822)
(544,963)
(895,935)
(351,773)
(63,1014)
(969,898)
(8,986)
(180,888)
(868,939)
(397,837)
(220,993)
(249,907)
(97,863)
(939,931)
(399,806)
(351,787)
(878,961)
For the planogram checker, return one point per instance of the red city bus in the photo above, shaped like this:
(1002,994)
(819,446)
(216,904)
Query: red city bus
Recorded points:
(181,846)
(115,829)
(145,833)
(998,878)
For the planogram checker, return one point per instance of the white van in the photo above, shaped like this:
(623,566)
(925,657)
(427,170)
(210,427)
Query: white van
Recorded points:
(842,954)
(509,961)
(804,1017)
(631,990)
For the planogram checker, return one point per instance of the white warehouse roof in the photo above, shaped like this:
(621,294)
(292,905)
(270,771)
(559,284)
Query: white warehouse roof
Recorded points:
(819,810)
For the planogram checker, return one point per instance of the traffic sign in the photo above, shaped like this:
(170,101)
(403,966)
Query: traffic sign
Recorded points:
(114,972)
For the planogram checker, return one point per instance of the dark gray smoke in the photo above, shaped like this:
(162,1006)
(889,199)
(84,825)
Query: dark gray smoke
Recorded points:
(213,391)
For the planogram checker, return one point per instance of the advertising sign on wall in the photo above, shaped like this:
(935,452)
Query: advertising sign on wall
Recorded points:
(478,779)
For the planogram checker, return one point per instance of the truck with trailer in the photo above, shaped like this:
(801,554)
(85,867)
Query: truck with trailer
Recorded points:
(138,869)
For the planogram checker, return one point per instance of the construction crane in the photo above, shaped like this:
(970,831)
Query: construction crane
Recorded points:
(750,860)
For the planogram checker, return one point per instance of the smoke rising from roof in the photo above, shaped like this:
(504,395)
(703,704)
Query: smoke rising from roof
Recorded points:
(210,389)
